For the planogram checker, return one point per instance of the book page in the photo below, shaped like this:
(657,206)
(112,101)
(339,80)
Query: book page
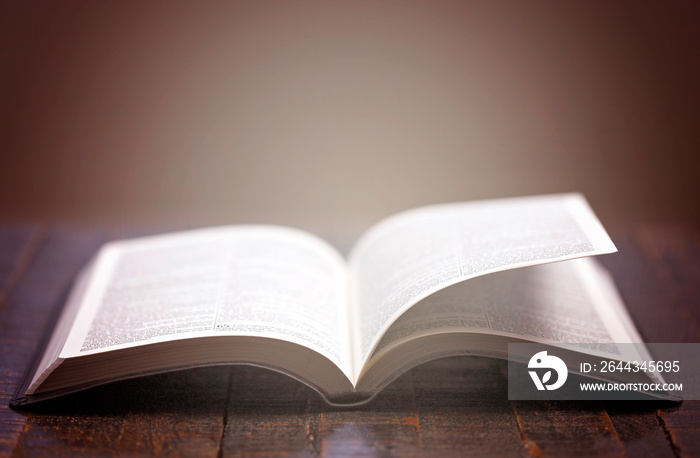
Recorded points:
(550,303)
(414,254)
(248,280)
(573,305)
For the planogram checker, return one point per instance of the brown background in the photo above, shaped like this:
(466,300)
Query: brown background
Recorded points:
(331,115)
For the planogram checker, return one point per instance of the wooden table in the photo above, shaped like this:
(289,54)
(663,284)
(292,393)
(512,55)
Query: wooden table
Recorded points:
(449,407)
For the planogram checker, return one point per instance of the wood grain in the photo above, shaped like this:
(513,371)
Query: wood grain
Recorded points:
(450,407)
(28,311)
(675,253)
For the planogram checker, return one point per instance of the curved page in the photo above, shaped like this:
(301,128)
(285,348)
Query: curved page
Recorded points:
(257,281)
(414,254)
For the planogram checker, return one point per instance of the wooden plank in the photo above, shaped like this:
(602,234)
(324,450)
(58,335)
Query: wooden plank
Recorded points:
(648,293)
(681,424)
(268,414)
(566,428)
(463,408)
(676,255)
(26,316)
(389,424)
(453,406)
(173,413)
(640,428)
(18,244)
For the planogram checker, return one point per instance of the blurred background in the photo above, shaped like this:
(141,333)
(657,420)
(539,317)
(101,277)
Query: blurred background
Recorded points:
(331,115)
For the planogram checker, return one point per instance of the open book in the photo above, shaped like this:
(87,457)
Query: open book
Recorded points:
(463,278)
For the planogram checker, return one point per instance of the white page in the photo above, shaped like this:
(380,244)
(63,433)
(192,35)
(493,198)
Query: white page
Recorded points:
(550,303)
(248,280)
(414,254)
